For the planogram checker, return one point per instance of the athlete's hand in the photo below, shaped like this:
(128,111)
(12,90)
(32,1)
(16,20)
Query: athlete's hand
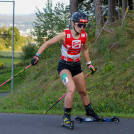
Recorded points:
(91,67)
(35,60)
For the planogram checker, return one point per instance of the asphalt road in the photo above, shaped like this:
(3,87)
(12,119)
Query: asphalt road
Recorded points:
(51,124)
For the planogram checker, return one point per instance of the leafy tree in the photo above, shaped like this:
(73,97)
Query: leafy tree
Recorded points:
(18,39)
(6,38)
(85,5)
(2,44)
(51,21)
(3,30)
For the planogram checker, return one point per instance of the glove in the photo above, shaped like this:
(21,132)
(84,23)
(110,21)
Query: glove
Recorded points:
(35,60)
(91,67)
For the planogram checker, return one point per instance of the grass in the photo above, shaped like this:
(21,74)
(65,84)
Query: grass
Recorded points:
(5,69)
(5,74)
(110,89)
(9,54)
(8,61)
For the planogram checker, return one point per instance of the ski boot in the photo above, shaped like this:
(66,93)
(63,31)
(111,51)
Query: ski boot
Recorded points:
(67,121)
(90,112)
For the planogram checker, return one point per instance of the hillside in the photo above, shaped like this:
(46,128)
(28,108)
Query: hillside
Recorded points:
(111,88)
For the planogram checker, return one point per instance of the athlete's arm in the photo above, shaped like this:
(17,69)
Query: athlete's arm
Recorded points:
(86,52)
(56,39)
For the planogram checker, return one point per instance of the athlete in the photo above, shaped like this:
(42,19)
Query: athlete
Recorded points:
(74,42)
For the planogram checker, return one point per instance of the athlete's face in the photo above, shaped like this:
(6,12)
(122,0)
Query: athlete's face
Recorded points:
(79,26)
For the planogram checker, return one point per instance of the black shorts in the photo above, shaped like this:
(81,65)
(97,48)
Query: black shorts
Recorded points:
(73,67)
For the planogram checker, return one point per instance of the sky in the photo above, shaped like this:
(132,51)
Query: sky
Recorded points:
(25,6)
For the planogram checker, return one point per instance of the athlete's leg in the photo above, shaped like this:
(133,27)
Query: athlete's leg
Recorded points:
(67,80)
(81,88)
(70,86)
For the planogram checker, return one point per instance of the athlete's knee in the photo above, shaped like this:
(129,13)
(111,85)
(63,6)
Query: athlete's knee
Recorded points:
(71,90)
(83,93)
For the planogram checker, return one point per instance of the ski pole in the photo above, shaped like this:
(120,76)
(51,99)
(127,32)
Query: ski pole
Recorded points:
(55,103)
(64,96)
(15,75)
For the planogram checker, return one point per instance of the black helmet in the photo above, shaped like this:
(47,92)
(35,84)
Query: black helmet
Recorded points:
(80,17)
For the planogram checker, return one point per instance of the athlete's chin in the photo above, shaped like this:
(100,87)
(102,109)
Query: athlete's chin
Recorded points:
(80,31)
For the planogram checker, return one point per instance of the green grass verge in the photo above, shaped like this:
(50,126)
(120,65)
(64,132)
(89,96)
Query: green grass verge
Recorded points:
(8,61)
(8,54)
(60,112)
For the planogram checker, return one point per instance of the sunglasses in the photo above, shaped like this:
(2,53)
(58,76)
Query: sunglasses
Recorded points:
(81,25)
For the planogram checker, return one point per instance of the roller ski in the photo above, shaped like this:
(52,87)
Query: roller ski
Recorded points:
(67,123)
(113,119)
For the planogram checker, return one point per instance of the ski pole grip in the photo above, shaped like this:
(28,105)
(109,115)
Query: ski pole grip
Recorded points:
(90,73)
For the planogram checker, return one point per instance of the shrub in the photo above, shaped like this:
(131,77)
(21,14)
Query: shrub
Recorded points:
(2,65)
(28,51)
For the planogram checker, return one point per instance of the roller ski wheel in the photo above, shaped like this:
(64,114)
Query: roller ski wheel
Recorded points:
(115,119)
(80,119)
(69,126)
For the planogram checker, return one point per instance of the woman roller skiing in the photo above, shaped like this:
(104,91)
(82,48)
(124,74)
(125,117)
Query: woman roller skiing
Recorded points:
(74,42)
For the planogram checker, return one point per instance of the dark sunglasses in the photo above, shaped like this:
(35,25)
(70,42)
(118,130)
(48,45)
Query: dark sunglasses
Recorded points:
(81,25)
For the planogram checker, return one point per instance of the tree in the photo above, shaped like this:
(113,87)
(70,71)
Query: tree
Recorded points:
(124,7)
(6,38)
(17,37)
(4,35)
(98,16)
(2,44)
(133,6)
(111,11)
(50,21)
(73,8)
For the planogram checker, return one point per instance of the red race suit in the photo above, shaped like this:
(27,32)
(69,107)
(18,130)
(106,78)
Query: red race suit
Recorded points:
(71,49)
